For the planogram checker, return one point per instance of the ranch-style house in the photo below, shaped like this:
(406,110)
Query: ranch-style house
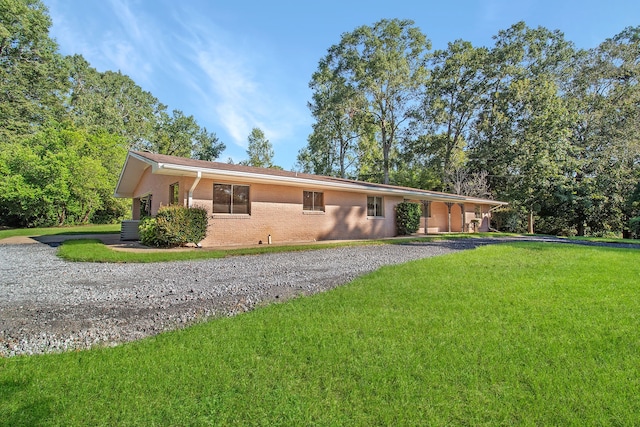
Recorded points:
(248,205)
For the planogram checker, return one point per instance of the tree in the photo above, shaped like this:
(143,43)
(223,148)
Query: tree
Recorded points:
(260,150)
(340,122)
(112,102)
(32,73)
(606,136)
(522,135)
(450,104)
(61,175)
(385,65)
(207,146)
(180,135)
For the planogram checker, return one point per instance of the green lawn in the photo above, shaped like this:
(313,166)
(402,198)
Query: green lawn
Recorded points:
(47,231)
(93,250)
(509,334)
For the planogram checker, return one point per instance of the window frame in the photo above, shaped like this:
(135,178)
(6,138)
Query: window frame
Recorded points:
(233,197)
(314,196)
(377,213)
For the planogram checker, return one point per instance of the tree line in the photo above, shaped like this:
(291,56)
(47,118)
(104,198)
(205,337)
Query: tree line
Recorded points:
(531,120)
(66,128)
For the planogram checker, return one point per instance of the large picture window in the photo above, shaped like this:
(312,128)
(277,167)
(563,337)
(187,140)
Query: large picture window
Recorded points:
(231,199)
(312,201)
(426,209)
(374,206)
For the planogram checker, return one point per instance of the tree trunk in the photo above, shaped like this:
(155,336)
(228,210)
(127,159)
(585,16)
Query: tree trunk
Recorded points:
(530,222)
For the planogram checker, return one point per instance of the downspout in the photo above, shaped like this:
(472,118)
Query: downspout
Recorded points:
(193,187)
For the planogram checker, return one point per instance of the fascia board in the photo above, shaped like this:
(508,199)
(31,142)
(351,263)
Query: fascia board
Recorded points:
(126,170)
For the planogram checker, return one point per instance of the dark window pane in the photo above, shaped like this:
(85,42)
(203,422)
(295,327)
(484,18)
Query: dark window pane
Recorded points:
(240,199)
(307,200)
(374,206)
(426,209)
(174,194)
(221,198)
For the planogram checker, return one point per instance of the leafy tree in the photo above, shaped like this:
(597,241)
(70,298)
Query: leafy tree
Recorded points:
(207,146)
(522,135)
(340,122)
(180,135)
(31,71)
(111,102)
(450,104)
(385,65)
(59,176)
(603,171)
(259,150)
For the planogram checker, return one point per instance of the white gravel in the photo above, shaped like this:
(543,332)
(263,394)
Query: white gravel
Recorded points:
(50,305)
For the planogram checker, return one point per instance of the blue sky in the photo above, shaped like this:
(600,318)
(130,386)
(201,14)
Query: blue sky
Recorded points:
(235,65)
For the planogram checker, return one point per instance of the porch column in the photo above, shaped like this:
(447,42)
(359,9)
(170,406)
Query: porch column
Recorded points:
(462,215)
(192,189)
(449,206)
(135,208)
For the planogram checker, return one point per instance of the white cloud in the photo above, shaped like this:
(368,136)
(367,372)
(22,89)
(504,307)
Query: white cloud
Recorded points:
(231,81)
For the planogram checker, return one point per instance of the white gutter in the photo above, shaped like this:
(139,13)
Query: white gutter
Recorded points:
(193,187)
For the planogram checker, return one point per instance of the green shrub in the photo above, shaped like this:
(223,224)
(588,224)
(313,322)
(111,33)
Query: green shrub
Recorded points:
(174,226)
(407,217)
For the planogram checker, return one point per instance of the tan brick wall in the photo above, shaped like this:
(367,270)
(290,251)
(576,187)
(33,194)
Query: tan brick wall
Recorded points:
(277,211)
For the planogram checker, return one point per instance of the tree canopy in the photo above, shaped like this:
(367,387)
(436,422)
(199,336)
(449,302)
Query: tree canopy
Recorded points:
(259,150)
(531,120)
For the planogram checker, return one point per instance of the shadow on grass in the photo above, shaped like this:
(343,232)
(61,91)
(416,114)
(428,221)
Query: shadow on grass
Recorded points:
(28,412)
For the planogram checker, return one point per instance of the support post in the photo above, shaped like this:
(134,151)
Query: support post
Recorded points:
(461,215)
(449,206)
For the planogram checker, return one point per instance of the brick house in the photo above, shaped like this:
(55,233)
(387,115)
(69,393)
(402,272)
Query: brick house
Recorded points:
(247,205)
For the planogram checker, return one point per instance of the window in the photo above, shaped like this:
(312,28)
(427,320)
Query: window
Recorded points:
(426,209)
(374,206)
(145,206)
(230,199)
(478,211)
(312,201)
(174,194)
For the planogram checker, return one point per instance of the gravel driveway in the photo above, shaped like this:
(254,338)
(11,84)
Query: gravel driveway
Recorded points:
(49,305)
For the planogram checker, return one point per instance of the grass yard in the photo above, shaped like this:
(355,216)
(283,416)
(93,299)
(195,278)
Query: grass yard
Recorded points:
(93,250)
(47,231)
(509,334)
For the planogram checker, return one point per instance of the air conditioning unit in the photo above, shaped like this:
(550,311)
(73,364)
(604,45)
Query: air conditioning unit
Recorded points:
(129,230)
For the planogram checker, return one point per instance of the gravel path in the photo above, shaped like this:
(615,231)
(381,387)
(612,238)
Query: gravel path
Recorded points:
(50,305)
